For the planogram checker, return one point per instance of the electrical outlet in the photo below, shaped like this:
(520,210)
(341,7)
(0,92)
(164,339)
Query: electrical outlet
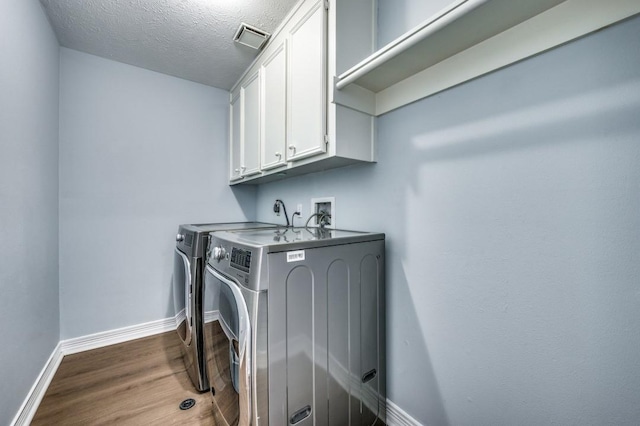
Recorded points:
(325,205)
(299,208)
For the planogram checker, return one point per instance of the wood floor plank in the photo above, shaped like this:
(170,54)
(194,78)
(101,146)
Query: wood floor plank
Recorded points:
(141,382)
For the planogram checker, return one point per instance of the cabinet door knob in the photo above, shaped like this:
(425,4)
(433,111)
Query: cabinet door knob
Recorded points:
(237,170)
(243,168)
(292,148)
(278,155)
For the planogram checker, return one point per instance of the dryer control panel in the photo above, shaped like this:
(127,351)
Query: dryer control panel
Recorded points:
(241,259)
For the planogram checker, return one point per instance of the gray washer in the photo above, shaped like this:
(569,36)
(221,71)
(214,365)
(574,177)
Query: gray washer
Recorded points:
(303,312)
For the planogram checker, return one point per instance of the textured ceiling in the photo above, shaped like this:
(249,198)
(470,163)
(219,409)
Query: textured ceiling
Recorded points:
(190,39)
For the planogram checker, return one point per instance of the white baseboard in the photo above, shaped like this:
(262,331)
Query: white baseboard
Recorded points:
(210,316)
(396,416)
(32,401)
(120,335)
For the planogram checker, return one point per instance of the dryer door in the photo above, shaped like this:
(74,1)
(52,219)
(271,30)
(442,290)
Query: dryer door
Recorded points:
(182,295)
(227,343)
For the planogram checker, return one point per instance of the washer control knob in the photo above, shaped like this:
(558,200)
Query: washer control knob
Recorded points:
(179,237)
(219,253)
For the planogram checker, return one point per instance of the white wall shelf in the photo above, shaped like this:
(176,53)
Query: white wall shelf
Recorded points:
(468,39)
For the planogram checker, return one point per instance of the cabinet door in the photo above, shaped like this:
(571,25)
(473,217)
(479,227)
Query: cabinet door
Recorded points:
(306,122)
(250,95)
(235,155)
(274,108)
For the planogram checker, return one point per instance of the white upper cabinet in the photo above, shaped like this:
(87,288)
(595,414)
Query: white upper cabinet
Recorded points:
(244,134)
(274,108)
(235,152)
(250,96)
(307,85)
(290,124)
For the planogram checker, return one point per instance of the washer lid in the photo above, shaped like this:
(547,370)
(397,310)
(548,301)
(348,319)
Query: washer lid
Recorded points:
(211,227)
(285,239)
(193,239)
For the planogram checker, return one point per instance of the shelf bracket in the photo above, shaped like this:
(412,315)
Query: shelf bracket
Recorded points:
(355,97)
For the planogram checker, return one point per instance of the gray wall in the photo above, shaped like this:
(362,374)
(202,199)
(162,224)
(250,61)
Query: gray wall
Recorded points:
(396,17)
(511,206)
(28,199)
(140,153)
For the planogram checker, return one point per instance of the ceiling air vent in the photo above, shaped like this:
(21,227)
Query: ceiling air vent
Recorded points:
(251,36)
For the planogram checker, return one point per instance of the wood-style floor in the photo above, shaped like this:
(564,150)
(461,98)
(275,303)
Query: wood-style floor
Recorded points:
(140,382)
